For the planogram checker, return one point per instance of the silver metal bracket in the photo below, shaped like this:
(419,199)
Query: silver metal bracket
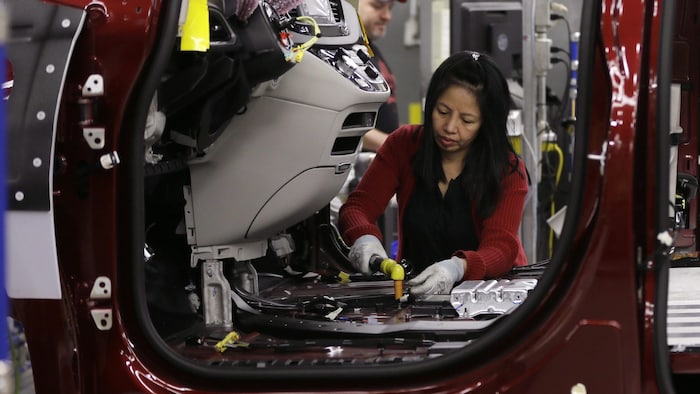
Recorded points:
(95,137)
(475,297)
(101,289)
(102,318)
(93,86)
(216,295)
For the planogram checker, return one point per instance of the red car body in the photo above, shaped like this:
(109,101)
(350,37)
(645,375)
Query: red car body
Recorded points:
(595,320)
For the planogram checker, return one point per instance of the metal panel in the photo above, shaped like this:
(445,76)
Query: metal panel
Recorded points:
(40,46)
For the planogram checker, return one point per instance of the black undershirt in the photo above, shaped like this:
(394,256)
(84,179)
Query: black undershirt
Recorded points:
(434,227)
(388,113)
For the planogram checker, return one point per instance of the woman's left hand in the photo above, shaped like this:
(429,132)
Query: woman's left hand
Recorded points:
(439,277)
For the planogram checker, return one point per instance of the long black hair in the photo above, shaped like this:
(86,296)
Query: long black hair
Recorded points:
(488,160)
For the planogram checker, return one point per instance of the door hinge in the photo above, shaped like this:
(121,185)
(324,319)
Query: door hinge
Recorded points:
(101,315)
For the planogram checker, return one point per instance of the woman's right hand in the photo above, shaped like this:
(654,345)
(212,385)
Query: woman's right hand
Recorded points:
(362,251)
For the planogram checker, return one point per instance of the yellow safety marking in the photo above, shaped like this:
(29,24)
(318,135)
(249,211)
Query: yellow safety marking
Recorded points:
(195,32)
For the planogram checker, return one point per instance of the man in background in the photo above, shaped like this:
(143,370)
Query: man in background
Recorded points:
(375,16)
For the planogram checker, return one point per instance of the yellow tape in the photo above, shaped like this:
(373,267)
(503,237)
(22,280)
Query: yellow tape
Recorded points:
(195,32)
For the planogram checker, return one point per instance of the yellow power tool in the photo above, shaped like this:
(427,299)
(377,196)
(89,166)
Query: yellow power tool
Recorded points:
(391,269)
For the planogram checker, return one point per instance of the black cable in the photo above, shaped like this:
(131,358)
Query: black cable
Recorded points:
(556,17)
(557,50)
(565,102)
(565,95)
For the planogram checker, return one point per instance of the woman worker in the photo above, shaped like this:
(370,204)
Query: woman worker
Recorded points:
(459,184)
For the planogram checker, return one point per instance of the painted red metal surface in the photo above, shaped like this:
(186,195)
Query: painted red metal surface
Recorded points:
(587,333)
(644,187)
(116,41)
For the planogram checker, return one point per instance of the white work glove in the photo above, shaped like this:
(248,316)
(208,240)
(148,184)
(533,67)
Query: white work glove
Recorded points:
(438,278)
(363,249)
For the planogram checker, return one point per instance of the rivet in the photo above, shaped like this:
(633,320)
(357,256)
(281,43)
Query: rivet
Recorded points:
(41,115)
(50,69)
(36,162)
(65,23)
(19,196)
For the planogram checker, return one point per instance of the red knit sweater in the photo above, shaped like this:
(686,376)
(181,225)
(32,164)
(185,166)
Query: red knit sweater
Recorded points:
(391,172)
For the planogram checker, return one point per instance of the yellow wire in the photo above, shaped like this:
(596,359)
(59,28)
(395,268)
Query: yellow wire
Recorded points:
(560,167)
(298,51)
(364,37)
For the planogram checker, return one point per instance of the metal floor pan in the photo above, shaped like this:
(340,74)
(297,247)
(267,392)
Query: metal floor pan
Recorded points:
(369,308)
